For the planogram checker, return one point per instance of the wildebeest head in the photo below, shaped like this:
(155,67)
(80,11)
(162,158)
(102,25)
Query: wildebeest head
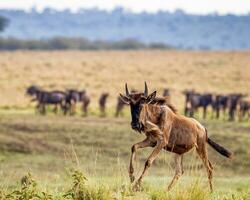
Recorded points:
(105,95)
(166,92)
(82,95)
(136,101)
(234,99)
(32,90)
(188,94)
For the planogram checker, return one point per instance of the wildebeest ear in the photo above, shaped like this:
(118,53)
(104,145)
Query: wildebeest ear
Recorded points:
(151,97)
(124,99)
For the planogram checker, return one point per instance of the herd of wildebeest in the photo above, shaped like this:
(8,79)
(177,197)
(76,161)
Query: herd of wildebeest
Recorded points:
(232,106)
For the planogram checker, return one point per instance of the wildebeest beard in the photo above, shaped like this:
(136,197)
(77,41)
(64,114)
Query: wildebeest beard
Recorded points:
(135,114)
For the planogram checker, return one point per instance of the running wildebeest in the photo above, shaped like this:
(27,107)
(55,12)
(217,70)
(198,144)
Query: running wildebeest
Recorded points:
(44,98)
(244,109)
(102,103)
(166,129)
(195,100)
(220,102)
(232,105)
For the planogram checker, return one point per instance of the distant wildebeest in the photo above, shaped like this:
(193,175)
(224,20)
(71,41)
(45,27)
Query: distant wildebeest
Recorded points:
(45,98)
(233,101)
(102,103)
(85,99)
(187,106)
(220,102)
(244,110)
(72,97)
(166,129)
(196,100)
(119,107)
(166,93)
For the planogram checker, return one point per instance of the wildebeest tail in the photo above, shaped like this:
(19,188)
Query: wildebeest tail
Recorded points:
(223,151)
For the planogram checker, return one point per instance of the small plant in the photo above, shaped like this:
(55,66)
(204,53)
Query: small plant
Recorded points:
(78,189)
(81,191)
(28,191)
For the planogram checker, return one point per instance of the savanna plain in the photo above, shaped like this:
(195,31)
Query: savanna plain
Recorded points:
(75,157)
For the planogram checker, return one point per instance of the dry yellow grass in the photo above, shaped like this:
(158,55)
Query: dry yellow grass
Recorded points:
(100,71)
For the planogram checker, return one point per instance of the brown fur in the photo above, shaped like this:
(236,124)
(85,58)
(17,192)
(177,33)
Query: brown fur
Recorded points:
(164,101)
(166,129)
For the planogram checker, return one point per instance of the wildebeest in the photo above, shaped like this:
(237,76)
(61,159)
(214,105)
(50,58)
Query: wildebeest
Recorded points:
(233,101)
(166,93)
(166,129)
(220,102)
(72,97)
(45,98)
(85,99)
(102,103)
(187,106)
(244,111)
(119,107)
(196,100)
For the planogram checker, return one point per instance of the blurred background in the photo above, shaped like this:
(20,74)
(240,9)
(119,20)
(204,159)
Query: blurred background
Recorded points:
(63,64)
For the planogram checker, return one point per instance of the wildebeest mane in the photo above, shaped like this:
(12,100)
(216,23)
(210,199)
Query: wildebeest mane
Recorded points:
(164,101)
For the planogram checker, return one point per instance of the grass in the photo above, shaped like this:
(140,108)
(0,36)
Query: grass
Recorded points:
(49,147)
(107,71)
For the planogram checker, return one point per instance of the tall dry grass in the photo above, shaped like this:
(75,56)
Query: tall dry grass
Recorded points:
(100,71)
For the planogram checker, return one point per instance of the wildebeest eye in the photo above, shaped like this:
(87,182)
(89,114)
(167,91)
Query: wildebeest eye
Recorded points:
(143,100)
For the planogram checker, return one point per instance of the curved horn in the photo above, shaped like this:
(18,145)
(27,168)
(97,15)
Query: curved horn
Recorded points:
(146,90)
(126,88)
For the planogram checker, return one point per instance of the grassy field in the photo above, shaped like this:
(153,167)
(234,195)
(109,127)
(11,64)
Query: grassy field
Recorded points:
(50,146)
(107,71)
(56,149)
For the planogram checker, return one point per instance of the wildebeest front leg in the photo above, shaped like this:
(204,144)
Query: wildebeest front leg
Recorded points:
(161,143)
(142,144)
(150,160)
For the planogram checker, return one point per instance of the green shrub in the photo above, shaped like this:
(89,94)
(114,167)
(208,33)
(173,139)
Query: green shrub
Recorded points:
(81,191)
(29,190)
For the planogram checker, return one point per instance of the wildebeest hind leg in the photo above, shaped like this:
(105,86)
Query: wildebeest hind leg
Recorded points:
(178,170)
(202,151)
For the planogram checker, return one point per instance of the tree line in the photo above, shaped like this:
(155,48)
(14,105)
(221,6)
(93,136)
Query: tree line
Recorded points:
(64,43)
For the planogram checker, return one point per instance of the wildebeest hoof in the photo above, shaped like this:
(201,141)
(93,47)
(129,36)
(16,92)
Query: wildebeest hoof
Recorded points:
(132,178)
(137,187)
